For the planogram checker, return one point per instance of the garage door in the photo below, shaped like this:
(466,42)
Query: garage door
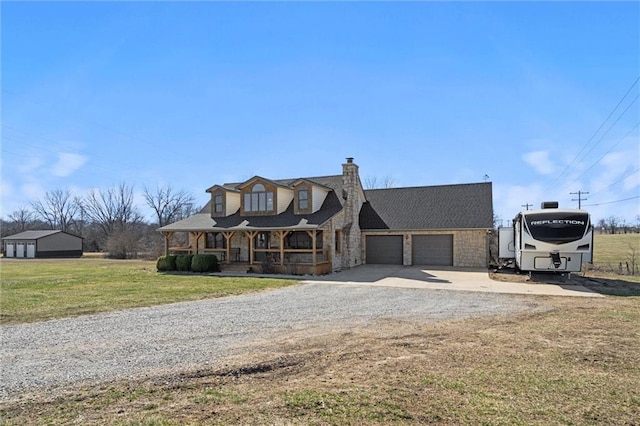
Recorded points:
(384,249)
(19,249)
(31,250)
(436,250)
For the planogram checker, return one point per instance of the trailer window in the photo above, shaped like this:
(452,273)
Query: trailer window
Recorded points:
(556,227)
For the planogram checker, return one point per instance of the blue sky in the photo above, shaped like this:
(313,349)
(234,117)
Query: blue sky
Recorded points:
(421,93)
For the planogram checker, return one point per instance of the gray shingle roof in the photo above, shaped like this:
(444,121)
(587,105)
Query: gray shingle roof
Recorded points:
(286,219)
(32,235)
(331,182)
(464,206)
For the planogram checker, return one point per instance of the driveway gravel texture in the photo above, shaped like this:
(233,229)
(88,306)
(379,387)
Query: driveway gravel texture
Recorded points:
(144,342)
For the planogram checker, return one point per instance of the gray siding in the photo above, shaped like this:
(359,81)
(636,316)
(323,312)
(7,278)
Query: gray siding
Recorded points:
(59,242)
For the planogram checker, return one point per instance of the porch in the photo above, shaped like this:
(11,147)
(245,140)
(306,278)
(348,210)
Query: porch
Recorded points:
(280,252)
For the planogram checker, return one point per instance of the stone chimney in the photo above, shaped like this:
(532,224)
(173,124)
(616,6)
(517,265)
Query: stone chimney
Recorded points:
(353,198)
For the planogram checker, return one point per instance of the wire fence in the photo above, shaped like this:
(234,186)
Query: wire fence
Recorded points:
(620,268)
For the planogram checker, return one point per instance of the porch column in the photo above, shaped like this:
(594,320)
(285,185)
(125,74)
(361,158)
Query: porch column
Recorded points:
(227,236)
(282,235)
(198,234)
(251,235)
(312,234)
(167,242)
(190,247)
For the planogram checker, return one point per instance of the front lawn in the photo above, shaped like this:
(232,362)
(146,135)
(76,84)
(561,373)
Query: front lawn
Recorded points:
(37,290)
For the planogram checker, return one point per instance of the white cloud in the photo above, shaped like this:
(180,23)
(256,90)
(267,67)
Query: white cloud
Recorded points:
(67,164)
(30,164)
(540,162)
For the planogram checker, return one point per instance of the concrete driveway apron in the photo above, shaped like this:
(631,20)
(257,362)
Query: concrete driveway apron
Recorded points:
(442,278)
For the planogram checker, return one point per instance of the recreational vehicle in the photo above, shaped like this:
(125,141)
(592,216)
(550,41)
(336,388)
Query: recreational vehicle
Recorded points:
(548,240)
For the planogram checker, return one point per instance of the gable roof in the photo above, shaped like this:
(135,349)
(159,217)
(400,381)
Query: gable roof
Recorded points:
(260,178)
(464,206)
(35,235)
(334,183)
(287,219)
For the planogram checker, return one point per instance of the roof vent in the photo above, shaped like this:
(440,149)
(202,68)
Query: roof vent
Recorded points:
(549,205)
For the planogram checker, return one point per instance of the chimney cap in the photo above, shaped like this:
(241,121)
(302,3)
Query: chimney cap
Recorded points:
(349,160)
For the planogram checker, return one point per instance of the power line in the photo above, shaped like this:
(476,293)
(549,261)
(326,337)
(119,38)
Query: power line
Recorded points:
(611,149)
(613,124)
(596,132)
(612,202)
(619,180)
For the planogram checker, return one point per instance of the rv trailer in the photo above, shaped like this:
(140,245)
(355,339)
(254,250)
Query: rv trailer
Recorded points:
(548,240)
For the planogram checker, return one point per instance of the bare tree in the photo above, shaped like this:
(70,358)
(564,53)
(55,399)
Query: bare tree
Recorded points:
(22,218)
(371,182)
(169,204)
(612,224)
(111,210)
(118,219)
(58,209)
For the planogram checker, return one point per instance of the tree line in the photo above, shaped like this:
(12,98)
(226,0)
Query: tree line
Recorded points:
(108,220)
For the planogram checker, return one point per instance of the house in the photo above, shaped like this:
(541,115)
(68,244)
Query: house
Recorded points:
(316,225)
(42,244)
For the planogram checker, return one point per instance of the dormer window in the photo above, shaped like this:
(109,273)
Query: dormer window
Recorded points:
(218,203)
(303,199)
(258,200)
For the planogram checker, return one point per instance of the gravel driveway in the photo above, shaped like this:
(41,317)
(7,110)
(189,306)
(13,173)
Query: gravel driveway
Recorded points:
(143,341)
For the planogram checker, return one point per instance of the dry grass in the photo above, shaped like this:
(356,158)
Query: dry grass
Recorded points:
(571,361)
(617,253)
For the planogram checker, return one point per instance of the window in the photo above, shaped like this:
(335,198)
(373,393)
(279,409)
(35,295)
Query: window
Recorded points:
(302,240)
(262,240)
(258,200)
(216,240)
(338,238)
(218,203)
(303,199)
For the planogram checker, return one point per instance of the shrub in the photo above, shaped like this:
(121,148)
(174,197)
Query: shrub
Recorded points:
(183,262)
(166,263)
(205,263)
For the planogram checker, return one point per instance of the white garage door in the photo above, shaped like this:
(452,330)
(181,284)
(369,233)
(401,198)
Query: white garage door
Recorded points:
(435,250)
(10,250)
(19,249)
(384,249)
(31,250)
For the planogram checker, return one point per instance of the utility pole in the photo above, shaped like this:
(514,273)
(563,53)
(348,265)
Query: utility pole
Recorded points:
(579,199)
(527,206)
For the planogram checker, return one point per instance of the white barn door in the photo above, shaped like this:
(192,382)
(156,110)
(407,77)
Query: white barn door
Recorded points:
(31,250)
(19,249)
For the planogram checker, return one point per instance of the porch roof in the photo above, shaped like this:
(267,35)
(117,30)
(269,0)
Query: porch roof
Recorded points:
(237,222)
